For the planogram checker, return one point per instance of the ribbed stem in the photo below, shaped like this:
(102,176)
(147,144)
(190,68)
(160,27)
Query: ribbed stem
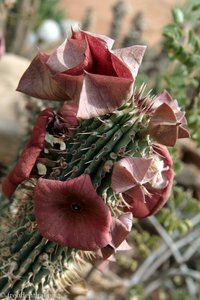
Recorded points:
(30,262)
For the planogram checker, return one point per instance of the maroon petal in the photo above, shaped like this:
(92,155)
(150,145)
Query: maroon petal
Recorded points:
(107,41)
(163,97)
(68,55)
(102,63)
(163,153)
(163,115)
(120,68)
(151,205)
(119,231)
(139,208)
(68,113)
(165,134)
(37,81)
(71,84)
(29,155)
(136,193)
(71,213)
(183,133)
(101,94)
(129,171)
(156,198)
(163,126)
(132,57)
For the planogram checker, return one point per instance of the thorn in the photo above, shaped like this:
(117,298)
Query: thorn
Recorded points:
(86,133)
(102,121)
(68,173)
(83,149)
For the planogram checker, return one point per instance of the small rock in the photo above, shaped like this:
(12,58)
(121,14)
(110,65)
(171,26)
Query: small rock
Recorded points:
(49,31)
(189,152)
(189,176)
(12,106)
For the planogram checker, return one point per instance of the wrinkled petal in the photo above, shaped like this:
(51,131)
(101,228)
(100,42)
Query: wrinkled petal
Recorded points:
(68,112)
(156,198)
(167,122)
(165,134)
(163,97)
(68,55)
(163,153)
(101,95)
(71,84)
(163,126)
(127,220)
(153,204)
(129,171)
(106,40)
(29,155)
(37,81)
(120,68)
(102,63)
(119,231)
(137,193)
(71,213)
(163,115)
(183,133)
(132,57)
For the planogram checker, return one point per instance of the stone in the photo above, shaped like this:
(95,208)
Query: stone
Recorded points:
(13,114)
(49,31)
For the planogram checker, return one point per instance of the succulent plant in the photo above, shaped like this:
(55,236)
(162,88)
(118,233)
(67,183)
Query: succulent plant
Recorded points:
(89,166)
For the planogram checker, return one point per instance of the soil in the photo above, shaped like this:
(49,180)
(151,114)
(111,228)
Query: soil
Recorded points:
(156,14)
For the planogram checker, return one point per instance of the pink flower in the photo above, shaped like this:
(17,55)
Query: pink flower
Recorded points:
(167,123)
(145,184)
(85,70)
(29,155)
(71,213)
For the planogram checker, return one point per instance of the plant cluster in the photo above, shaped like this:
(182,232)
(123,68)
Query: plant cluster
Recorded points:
(90,165)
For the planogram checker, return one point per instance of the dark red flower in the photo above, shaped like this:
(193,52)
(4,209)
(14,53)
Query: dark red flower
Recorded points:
(145,184)
(85,70)
(68,113)
(71,213)
(64,120)
(29,155)
(167,123)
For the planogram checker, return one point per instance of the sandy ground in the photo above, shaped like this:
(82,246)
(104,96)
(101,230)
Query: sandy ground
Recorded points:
(156,14)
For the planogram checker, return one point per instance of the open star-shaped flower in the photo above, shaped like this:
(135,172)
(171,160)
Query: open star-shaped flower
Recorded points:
(145,183)
(72,214)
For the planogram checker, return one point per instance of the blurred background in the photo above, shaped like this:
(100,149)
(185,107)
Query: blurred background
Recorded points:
(164,262)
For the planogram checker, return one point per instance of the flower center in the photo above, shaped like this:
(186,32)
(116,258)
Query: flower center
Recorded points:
(76,207)
(157,166)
